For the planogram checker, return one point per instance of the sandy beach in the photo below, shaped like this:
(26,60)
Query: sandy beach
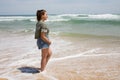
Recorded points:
(78,59)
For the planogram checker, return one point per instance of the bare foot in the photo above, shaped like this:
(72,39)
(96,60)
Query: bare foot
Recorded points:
(41,69)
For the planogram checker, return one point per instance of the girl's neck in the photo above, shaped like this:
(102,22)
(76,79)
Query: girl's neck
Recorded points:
(42,20)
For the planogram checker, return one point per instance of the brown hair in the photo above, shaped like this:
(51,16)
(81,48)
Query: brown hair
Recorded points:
(39,14)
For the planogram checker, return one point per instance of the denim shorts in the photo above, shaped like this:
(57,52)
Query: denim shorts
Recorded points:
(41,44)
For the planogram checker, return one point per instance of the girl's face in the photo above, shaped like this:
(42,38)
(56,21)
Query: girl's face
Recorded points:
(44,17)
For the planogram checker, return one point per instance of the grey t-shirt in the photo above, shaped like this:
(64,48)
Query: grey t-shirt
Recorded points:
(41,27)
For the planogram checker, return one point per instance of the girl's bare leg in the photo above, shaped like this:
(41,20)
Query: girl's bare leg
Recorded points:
(44,58)
(49,55)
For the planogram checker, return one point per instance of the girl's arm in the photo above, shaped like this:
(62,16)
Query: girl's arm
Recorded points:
(44,38)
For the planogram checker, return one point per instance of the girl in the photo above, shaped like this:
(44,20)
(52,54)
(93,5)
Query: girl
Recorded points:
(41,34)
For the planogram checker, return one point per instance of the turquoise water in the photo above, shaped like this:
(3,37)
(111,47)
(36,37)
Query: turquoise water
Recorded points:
(77,24)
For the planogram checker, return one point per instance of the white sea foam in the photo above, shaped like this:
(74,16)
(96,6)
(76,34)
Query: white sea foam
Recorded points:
(77,55)
(57,20)
(61,17)
(16,18)
(55,33)
(67,17)
(104,16)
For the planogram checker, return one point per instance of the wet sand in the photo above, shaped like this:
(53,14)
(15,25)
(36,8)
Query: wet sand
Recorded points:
(3,79)
(75,60)
(87,67)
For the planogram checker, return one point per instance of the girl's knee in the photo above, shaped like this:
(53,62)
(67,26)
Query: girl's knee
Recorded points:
(50,53)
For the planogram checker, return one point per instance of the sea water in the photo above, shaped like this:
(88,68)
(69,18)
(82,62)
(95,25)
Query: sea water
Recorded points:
(99,24)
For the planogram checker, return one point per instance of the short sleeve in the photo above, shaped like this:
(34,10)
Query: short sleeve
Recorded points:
(44,30)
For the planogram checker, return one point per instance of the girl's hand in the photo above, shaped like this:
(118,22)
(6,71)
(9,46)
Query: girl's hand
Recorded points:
(49,42)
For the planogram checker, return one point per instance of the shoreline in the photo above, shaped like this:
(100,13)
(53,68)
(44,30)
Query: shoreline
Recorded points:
(73,58)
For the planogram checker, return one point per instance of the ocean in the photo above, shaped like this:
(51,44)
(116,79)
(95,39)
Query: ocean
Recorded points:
(84,46)
(101,24)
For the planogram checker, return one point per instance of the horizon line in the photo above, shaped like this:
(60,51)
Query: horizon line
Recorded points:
(53,14)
